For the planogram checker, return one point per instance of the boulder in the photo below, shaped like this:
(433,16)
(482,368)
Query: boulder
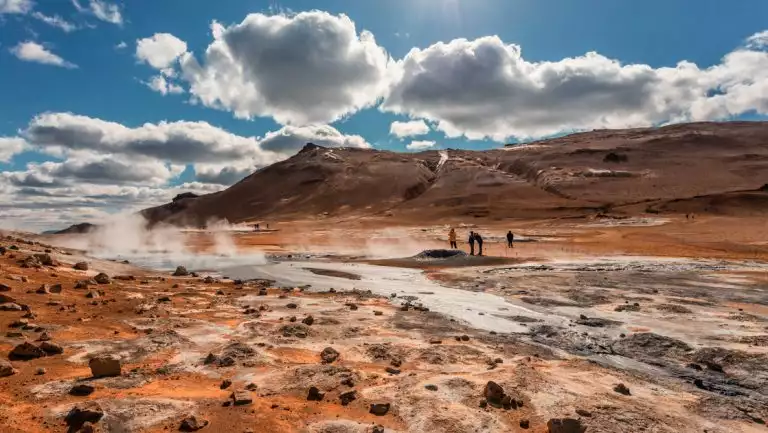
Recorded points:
(493,392)
(329,355)
(45,259)
(5,288)
(309,320)
(6,369)
(379,409)
(82,390)
(81,266)
(181,271)
(565,425)
(51,348)
(192,423)
(241,397)
(348,397)
(105,366)
(102,278)
(90,412)
(10,306)
(314,394)
(26,351)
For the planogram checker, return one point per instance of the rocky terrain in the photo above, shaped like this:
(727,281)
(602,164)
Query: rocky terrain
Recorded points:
(711,168)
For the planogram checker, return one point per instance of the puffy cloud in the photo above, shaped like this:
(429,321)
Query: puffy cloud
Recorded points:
(15,6)
(120,46)
(758,40)
(160,84)
(408,129)
(420,145)
(55,21)
(485,88)
(290,139)
(161,50)
(102,10)
(30,51)
(10,146)
(311,67)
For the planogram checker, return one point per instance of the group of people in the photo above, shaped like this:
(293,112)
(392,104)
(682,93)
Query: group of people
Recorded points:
(476,238)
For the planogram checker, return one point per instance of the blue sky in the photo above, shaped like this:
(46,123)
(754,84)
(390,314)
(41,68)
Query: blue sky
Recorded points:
(486,72)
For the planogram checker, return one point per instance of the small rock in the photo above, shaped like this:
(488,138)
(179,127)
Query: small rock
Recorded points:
(51,348)
(226,383)
(314,394)
(524,423)
(44,337)
(465,338)
(378,313)
(191,423)
(309,320)
(6,369)
(82,390)
(45,289)
(435,342)
(81,266)
(379,409)
(251,387)
(10,306)
(4,288)
(181,271)
(378,429)
(292,306)
(241,397)
(14,334)
(40,371)
(493,392)
(102,278)
(329,355)
(262,292)
(105,366)
(352,307)
(565,425)
(392,370)
(348,397)
(92,294)
(583,412)
(164,299)
(431,387)
(621,389)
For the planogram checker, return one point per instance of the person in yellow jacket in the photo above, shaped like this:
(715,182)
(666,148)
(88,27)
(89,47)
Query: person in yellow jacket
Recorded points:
(452,238)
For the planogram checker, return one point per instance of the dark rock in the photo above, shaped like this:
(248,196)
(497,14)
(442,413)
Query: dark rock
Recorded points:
(348,397)
(105,366)
(493,392)
(309,320)
(525,424)
(352,307)
(379,409)
(44,289)
(45,259)
(192,423)
(292,306)
(102,278)
(82,390)
(81,266)
(295,330)
(251,387)
(621,389)
(51,348)
(329,355)
(392,370)
(431,387)
(10,306)
(181,271)
(90,412)
(378,313)
(583,412)
(92,294)
(465,338)
(565,425)
(314,394)
(26,351)
(226,383)
(5,288)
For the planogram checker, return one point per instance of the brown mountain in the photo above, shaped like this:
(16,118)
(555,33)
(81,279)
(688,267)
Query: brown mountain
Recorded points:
(699,167)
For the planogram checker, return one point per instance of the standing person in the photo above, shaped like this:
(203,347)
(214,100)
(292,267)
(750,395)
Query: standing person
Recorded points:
(452,238)
(510,239)
(479,240)
(471,243)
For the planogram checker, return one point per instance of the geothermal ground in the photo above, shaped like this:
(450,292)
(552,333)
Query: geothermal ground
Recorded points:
(598,325)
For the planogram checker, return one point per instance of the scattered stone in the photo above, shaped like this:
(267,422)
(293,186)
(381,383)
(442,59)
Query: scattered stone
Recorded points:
(164,299)
(44,336)
(430,387)
(379,409)
(309,320)
(493,392)
(181,271)
(26,351)
(292,306)
(105,366)
(464,338)
(392,370)
(583,412)
(565,425)
(6,369)
(51,348)
(621,389)
(314,394)
(241,397)
(226,383)
(5,288)
(348,382)
(524,423)
(378,429)
(191,423)
(90,412)
(348,397)
(209,280)
(40,371)
(14,334)
(81,266)
(251,387)
(92,294)
(102,278)
(81,390)
(262,292)
(352,306)
(329,355)
(10,306)
(45,289)
(435,342)
(45,259)
(628,307)
(378,313)
(299,330)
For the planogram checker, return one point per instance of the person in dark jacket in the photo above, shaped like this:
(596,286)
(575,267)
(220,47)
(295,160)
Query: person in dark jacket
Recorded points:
(471,243)
(510,239)
(479,240)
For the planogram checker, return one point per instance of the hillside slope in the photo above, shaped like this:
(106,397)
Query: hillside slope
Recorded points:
(576,174)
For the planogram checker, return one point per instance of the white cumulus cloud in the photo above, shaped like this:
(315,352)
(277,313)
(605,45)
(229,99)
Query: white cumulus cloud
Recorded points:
(161,50)
(10,146)
(420,145)
(408,129)
(103,10)
(31,51)
(15,6)
(311,67)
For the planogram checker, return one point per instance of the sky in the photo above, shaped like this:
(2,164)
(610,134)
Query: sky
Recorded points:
(109,107)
